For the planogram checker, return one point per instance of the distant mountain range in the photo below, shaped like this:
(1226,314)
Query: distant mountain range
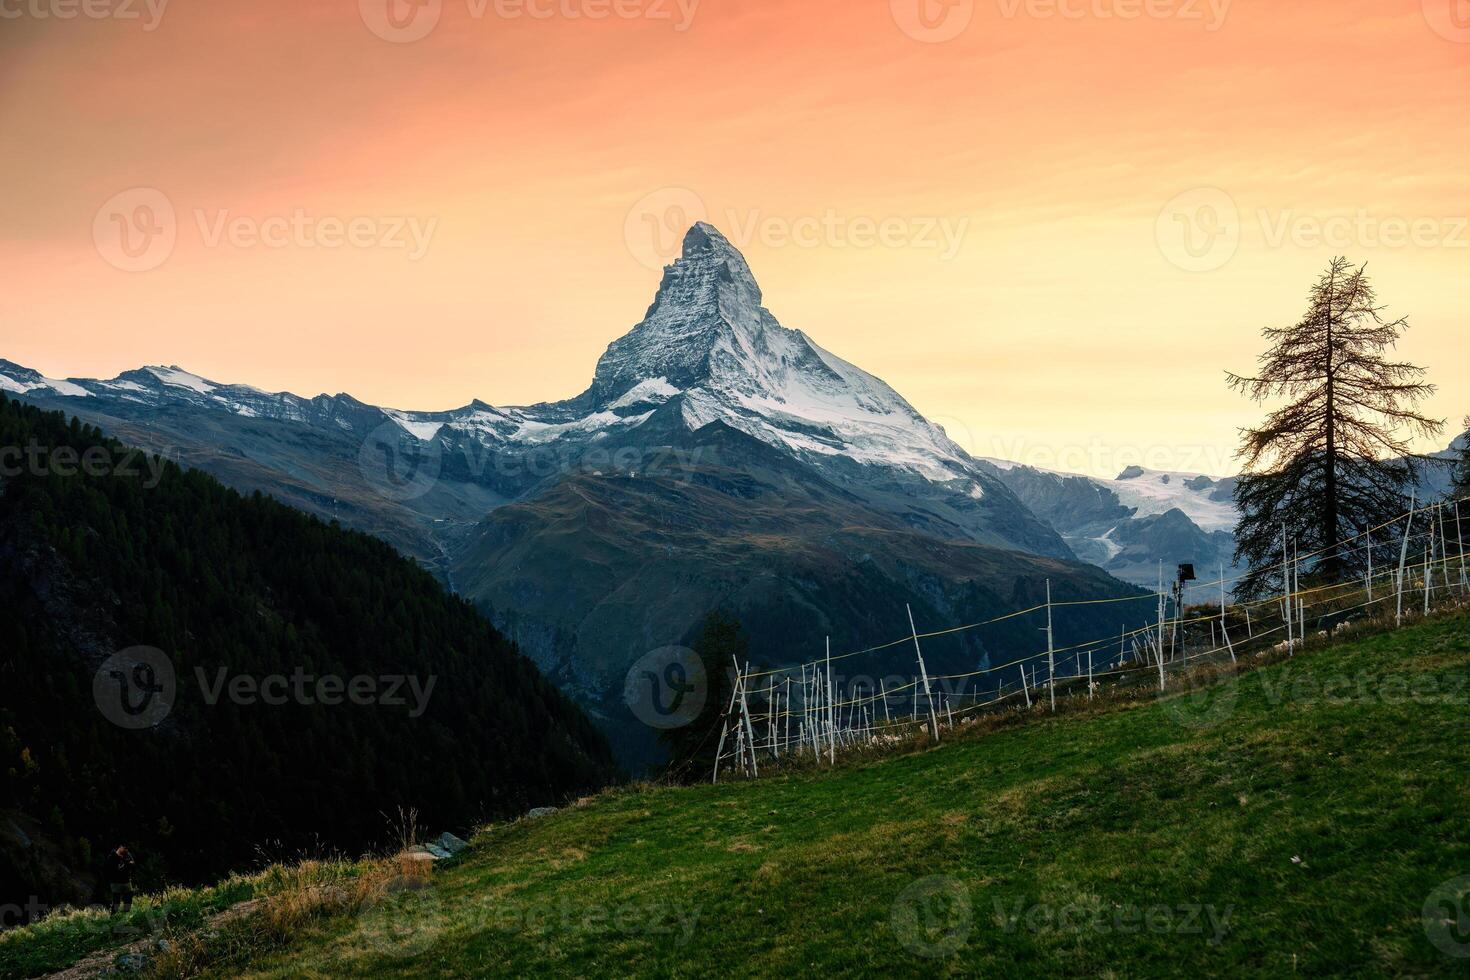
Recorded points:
(718,459)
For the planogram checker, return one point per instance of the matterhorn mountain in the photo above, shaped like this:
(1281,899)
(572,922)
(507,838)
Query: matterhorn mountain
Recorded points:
(717,460)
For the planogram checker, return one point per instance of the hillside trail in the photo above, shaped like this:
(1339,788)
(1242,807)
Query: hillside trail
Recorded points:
(105,960)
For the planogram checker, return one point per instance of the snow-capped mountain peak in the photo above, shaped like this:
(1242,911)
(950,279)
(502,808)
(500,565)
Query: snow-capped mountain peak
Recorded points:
(708,339)
(708,309)
(706,352)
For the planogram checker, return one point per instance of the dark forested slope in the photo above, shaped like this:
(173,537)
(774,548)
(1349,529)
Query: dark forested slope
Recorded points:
(318,679)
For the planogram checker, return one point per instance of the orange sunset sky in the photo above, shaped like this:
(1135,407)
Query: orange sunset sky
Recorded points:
(1051,224)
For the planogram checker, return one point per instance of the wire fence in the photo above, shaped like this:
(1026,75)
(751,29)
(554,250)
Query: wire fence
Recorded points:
(804,712)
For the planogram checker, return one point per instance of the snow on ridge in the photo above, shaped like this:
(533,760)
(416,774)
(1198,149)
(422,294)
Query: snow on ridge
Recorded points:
(420,429)
(648,390)
(64,388)
(1153,492)
(534,432)
(181,379)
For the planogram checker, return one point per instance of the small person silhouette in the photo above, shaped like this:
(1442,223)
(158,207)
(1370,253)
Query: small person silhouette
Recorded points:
(120,879)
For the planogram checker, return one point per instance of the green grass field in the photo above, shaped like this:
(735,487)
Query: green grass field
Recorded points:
(1299,818)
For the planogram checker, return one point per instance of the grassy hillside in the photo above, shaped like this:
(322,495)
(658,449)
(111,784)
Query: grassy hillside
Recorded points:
(1295,818)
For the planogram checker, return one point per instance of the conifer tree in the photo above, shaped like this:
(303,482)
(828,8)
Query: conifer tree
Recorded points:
(1335,459)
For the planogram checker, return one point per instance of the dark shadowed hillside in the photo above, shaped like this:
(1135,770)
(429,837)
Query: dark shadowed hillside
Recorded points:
(388,692)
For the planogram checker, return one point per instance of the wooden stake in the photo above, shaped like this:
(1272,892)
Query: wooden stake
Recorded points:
(923,672)
(1403,559)
(831,718)
(1223,628)
(1051,655)
(1460,538)
(745,713)
(724,729)
(1161,625)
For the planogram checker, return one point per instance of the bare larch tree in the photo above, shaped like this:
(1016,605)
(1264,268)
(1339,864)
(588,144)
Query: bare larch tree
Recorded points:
(1335,460)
